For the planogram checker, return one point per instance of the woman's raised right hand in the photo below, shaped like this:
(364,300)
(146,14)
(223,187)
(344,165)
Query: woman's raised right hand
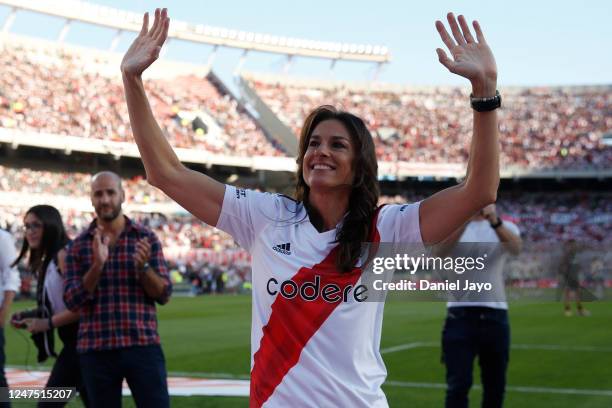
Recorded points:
(146,47)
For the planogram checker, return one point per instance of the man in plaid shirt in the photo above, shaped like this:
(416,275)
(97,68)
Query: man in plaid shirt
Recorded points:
(115,272)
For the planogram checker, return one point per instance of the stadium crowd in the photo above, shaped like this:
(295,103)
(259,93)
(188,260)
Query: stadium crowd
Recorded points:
(543,217)
(195,249)
(545,128)
(30,181)
(58,92)
(61,92)
(211,262)
(541,128)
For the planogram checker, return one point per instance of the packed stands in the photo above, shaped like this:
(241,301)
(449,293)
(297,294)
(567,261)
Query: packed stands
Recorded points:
(64,92)
(60,91)
(547,218)
(203,254)
(544,217)
(541,128)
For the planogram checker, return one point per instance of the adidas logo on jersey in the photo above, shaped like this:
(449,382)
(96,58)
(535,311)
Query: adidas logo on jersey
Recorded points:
(283,248)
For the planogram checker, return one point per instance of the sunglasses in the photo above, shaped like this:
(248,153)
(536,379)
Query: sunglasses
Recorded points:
(35,226)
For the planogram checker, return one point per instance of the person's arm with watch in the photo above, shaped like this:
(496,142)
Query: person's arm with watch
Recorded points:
(443,213)
(154,285)
(511,241)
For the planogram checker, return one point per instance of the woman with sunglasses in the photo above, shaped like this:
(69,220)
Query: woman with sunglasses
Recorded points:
(44,246)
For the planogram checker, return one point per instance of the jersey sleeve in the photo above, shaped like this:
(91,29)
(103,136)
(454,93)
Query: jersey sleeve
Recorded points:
(9,275)
(245,213)
(400,222)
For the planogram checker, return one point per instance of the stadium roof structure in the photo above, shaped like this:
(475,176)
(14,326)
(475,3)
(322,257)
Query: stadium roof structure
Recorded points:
(122,20)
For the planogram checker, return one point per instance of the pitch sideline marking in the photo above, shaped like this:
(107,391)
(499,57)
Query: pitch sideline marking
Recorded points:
(240,387)
(515,388)
(557,347)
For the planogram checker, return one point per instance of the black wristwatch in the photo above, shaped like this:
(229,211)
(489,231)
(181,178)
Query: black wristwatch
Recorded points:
(497,224)
(486,104)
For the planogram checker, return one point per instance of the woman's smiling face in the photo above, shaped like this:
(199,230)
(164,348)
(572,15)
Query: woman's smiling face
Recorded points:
(328,161)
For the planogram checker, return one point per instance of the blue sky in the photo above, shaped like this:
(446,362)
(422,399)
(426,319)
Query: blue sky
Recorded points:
(535,42)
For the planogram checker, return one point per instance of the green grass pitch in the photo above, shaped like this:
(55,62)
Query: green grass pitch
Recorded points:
(554,356)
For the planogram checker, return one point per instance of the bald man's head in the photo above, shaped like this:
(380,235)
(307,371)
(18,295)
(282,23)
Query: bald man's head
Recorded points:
(107,175)
(107,195)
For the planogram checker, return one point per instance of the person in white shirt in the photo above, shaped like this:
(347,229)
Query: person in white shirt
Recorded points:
(314,342)
(480,328)
(9,285)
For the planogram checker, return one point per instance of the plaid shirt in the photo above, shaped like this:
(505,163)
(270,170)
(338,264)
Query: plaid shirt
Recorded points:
(119,313)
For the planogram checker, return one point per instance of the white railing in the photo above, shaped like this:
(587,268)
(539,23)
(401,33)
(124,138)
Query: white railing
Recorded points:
(122,20)
(80,203)
(386,170)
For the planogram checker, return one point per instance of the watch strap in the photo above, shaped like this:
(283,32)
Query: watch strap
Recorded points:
(486,104)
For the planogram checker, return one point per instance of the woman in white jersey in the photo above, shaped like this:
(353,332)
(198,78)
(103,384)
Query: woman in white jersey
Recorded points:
(44,243)
(313,341)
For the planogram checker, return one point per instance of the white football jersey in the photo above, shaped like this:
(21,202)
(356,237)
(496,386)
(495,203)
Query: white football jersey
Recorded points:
(313,342)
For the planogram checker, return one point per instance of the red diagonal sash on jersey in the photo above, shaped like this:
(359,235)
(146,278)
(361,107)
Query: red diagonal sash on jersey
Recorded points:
(293,322)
